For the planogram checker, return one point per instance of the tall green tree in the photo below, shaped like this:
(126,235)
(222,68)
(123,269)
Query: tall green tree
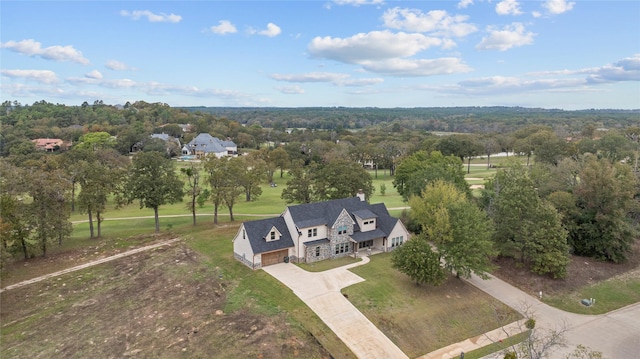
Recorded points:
(461,232)
(235,169)
(215,169)
(193,188)
(49,210)
(153,181)
(604,197)
(299,188)
(341,178)
(415,172)
(527,228)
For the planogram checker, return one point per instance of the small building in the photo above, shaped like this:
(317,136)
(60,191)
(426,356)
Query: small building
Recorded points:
(317,231)
(205,145)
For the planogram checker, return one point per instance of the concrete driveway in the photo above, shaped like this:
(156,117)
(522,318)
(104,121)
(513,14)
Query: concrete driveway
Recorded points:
(321,292)
(616,334)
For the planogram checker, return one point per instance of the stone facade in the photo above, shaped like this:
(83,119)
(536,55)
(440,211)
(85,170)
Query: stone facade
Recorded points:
(340,242)
(323,252)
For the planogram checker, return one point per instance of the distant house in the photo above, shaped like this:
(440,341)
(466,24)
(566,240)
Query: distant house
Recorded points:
(318,231)
(205,145)
(166,138)
(50,144)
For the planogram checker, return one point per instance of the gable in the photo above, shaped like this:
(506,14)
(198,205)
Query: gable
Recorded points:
(258,234)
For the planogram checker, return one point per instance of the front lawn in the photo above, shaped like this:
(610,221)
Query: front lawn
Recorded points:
(421,319)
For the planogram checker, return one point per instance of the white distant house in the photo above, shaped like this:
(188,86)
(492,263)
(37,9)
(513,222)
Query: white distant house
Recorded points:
(316,231)
(205,145)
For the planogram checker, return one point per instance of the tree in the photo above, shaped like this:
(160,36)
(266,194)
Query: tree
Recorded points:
(462,146)
(341,178)
(461,232)
(153,181)
(415,172)
(49,210)
(299,188)
(252,176)
(232,188)
(193,187)
(527,228)
(95,140)
(417,260)
(280,159)
(604,197)
(216,177)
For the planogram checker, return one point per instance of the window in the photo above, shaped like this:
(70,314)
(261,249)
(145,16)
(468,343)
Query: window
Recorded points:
(342,229)
(365,244)
(312,232)
(273,235)
(342,248)
(397,241)
(317,251)
(244,234)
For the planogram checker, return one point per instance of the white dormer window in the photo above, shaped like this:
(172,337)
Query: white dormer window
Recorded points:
(312,232)
(273,235)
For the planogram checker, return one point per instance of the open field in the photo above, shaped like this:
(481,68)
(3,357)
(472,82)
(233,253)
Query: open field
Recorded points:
(186,300)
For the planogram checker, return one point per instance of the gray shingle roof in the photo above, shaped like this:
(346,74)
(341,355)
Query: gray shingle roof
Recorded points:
(207,143)
(258,230)
(312,214)
(365,214)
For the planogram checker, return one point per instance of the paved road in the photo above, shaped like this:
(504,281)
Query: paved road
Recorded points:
(321,292)
(616,334)
(90,264)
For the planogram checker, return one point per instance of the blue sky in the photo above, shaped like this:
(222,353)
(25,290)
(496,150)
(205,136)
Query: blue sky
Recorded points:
(353,53)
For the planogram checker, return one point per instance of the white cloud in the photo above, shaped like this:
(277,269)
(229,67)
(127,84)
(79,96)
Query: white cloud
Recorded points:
(558,6)
(337,79)
(290,90)
(116,65)
(536,14)
(358,2)
(31,47)
(272,30)
(225,27)
(42,76)
(434,21)
(508,7)
(464,3)
(418,67)
(311,77)
(372,46)
(502,84)
(152,17)
(95,74)
(513,35)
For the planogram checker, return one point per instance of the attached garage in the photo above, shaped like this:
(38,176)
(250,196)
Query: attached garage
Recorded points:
(274,257)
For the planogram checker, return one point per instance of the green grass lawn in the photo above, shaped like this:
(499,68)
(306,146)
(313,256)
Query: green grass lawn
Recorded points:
(421,319)
(609,295)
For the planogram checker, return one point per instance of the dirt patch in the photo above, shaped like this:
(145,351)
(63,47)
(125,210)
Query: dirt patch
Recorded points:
(164,303)
(582,271)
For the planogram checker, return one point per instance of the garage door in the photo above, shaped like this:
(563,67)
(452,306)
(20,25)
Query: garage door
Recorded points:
(273,257)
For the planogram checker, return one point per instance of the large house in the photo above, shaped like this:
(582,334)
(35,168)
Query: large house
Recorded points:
(204,145)
(316,231)
(50,144)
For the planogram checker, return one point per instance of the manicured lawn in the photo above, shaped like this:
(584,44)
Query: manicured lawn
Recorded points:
(421,319)
(609,295)
(328,264)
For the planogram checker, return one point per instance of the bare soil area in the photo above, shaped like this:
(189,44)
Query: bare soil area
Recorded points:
(582,271)
(163,303)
